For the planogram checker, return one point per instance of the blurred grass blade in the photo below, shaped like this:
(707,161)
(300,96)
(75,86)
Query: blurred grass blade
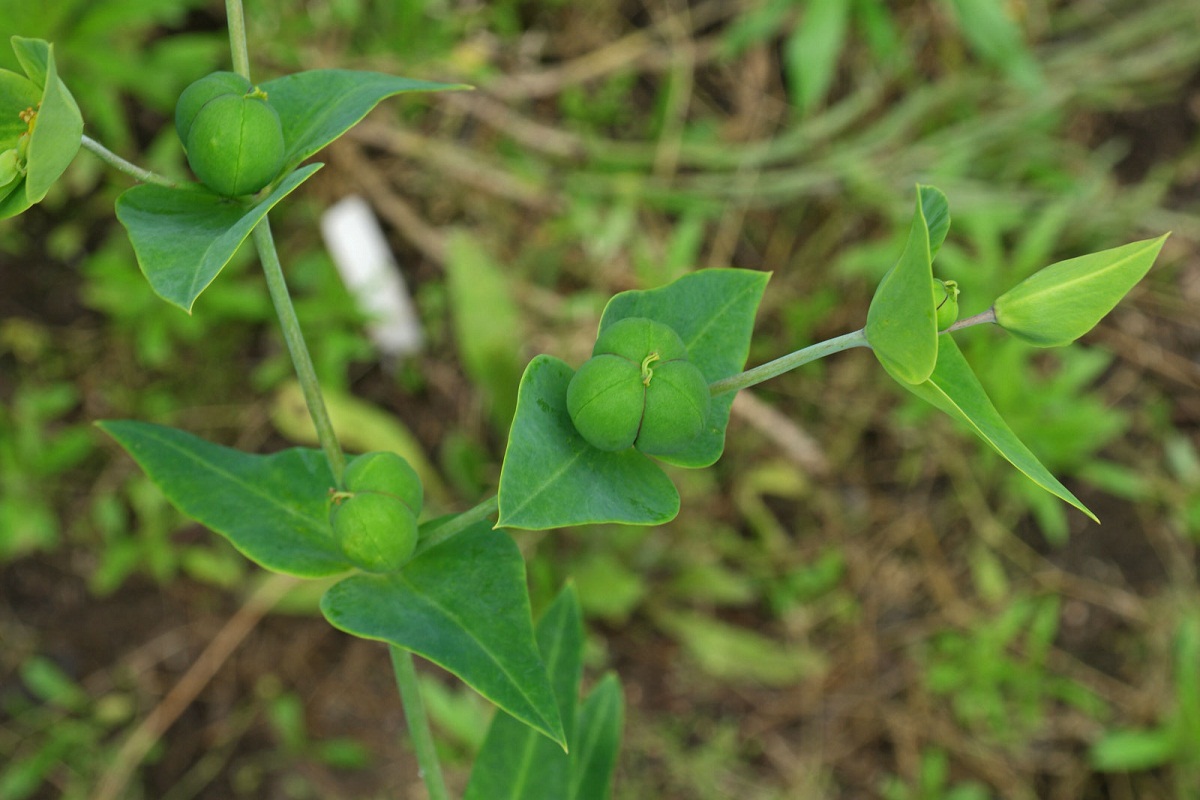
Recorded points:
(487,324)
(597,741)
(813,49)
(1129,751)
(997,39)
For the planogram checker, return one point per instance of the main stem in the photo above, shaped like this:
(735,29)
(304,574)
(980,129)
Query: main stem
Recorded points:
(402,660)
(238,49)
(301,360)
(418,723)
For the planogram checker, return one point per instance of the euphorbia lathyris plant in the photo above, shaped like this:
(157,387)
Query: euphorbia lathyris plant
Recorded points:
(585,444)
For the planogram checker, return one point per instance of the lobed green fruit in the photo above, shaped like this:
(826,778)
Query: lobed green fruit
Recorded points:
(385,472)
(945,302)
(375,520)
(197,95)
(639,390)
(376,532)
(232,135)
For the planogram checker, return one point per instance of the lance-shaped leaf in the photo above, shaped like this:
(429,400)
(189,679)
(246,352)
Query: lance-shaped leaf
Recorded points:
(57,133)
(318,106)
(953,388)
(597,741)
(552,478)
(272,508)
(901,322)
(463,605)
(1058,304)
(515,762)
(184,237)
(713,312)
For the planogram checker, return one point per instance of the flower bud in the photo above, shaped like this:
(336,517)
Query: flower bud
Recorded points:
(232,135)
(639,389)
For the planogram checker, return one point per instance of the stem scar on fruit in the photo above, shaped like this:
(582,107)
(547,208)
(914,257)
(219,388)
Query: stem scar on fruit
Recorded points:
(648,373)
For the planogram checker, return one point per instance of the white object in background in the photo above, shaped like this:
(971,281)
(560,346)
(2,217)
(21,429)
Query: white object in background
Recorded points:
(364,260)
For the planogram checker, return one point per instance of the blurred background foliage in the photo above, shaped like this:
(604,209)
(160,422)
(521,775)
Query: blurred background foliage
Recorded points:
(856,601)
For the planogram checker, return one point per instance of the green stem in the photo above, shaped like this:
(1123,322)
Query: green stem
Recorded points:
(238,49)
(837,344)
(457,524)
(128,167)
(783,364)
(301,360)
(982,318)
(418,723)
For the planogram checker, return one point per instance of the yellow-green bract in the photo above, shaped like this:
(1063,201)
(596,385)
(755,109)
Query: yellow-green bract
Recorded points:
(639,390)
(375,519)
(232,135)
(1058,304)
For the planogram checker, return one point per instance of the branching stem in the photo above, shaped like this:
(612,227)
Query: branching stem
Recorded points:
(129,168)
(773,369)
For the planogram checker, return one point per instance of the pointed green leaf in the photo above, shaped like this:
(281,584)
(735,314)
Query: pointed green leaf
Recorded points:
(1058,304)
(901,322)
(936,210)
(273,509)
(318,106)
(516,762)
(713,312)
(463,605)
(597,741)
(552,478)
(184,237)
(954,389)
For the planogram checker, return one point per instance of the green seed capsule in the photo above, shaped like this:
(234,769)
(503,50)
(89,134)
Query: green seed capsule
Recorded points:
(235,144)
(196,95)
(639,389)
(375,520)
(388,473)
(945,301)
(376,532)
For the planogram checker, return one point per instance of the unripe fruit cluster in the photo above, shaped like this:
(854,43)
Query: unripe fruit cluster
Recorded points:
(232,135)
(639,390)
(375,519)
